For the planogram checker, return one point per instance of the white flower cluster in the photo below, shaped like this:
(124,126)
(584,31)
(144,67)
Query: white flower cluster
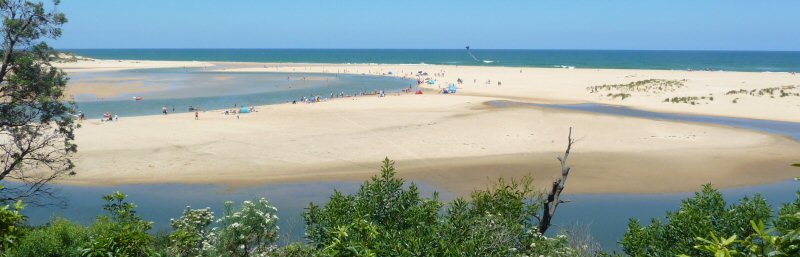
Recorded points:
(195,223)
(252,228)
(551,246)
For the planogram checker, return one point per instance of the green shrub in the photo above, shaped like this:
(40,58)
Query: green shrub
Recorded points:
(121,232)
(10,219)
(764,242)
(296,250)
(161,244)
(251,230)
(191,233)
(785,221)
(386,218)
(406,221)
(60,237)
(705,213)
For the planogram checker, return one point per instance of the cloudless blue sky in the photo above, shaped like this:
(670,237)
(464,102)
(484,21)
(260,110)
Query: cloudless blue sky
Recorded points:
(514,24)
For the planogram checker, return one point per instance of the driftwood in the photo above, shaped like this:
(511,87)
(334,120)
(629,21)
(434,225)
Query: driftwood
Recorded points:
(553,197)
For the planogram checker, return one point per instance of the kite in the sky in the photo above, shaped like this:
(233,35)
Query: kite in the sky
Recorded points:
(471,55)
(475,58)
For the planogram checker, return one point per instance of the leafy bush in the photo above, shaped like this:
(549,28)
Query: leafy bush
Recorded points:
(705,213)
(763,243)
(499,221)
(385,218)
(60,237)
(251,230)
(191,234)
(296,250)
(786,222)
(10,219)
(121,232)
(407,222)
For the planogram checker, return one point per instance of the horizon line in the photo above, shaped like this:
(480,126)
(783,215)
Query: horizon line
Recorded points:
(477,49)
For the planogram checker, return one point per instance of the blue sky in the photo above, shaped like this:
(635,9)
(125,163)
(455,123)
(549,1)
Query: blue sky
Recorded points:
(621,24)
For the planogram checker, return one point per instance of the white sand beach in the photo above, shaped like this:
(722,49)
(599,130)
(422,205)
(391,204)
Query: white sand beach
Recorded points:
(555,85)
(95,65)
(456,141)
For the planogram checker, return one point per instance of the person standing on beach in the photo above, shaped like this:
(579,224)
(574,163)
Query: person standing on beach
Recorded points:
(164,110)
(196,115)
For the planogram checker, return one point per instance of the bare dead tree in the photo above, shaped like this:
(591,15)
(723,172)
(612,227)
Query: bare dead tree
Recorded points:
(554,196)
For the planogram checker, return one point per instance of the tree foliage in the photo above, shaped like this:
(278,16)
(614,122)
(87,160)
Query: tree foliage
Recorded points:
(382,203)
(387,218)
(121,232)
(250,230)
(697,217)
(10,220)
(59,238)
(36,124)
(191,233)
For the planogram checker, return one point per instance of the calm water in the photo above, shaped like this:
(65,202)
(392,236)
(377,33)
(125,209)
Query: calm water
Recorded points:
(182,88)
(606,214)
(791,129)
(622,59)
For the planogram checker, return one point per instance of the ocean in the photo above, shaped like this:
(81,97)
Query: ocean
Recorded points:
(755,61)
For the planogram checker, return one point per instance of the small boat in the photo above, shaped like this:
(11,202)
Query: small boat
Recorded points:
(138,98)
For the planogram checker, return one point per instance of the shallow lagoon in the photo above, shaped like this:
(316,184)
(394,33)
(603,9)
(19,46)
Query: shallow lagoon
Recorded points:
(790,129)
(208,90)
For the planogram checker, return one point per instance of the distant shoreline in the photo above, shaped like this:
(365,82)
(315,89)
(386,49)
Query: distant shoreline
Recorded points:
(751,61)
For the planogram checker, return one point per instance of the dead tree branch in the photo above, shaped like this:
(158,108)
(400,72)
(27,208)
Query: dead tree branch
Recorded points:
(553,197)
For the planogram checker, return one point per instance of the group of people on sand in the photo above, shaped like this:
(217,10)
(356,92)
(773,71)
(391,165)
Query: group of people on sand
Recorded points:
(318,98)
(379,93)
(308,99)
(237,110)
(108,117)
(196,110)
(231,112)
